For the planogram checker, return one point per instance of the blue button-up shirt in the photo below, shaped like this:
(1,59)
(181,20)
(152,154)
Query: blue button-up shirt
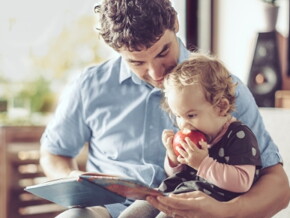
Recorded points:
(120,117)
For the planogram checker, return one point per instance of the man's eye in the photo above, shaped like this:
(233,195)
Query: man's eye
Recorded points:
(137,63)
(163,54)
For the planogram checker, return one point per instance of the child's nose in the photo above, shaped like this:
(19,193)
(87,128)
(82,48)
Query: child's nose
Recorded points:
(186,125)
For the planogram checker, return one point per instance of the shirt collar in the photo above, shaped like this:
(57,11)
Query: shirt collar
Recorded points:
(126,73)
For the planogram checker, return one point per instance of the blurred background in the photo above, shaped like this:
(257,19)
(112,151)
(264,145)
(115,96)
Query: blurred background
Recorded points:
(45,44)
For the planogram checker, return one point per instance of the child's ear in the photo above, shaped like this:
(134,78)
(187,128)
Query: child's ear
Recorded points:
(224,106)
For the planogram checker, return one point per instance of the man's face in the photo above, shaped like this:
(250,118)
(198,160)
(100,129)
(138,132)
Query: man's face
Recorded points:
(152,64)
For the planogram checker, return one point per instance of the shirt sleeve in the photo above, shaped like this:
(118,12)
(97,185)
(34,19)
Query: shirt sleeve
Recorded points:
(171,170)
(67,132)
(247,112)
(235,178)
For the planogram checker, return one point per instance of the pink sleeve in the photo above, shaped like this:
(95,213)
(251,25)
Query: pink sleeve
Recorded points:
(235,178)
(169,169)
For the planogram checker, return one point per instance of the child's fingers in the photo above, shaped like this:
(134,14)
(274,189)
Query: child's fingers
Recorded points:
(181,151)
(181,160)
(203,144)
(190,146)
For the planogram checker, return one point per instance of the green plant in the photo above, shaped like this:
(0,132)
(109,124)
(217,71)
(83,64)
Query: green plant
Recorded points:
(272,2)
(39,93)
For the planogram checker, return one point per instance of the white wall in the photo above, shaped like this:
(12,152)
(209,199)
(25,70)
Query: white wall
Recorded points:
(277,123)
(179,6)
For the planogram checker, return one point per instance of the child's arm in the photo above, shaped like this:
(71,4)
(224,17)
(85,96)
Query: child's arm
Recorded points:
(235,178)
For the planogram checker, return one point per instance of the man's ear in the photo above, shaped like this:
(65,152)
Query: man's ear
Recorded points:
(224,106)
(176,24)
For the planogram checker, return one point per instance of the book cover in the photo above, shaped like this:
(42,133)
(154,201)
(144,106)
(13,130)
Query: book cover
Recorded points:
(91,189)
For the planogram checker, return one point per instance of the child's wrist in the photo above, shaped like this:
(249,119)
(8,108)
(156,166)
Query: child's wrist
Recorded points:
(172,161)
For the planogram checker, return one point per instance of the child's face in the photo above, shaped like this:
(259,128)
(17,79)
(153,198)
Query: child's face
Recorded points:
(193,111)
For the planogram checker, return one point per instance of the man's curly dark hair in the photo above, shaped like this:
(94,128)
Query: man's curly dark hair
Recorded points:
(135,24)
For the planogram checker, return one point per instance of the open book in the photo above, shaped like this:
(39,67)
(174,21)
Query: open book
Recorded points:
(92,189)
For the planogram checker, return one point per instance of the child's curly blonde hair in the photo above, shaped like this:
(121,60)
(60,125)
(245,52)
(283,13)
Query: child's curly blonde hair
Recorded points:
(209,73)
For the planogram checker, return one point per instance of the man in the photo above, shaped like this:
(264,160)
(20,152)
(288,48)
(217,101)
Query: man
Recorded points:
(115,107)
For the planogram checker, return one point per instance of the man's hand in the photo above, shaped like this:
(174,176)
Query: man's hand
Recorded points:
(76,173)
(189,205)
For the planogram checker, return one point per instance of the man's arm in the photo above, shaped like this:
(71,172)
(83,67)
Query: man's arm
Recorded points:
(56,166)
(267,197)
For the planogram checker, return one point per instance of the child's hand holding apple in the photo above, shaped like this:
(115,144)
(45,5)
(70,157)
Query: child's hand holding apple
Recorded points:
(190,147)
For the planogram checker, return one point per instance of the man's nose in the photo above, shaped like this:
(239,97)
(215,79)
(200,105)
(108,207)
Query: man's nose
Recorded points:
(156,71)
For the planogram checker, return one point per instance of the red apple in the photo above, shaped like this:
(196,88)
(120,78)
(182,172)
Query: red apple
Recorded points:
(194,136)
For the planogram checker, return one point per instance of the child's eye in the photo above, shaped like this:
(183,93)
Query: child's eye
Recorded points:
(192,115)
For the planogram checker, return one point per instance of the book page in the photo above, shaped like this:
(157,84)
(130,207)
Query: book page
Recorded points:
(125,187)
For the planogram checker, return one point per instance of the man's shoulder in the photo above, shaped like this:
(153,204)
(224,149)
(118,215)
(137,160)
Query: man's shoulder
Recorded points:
(103,68)
(103,73)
